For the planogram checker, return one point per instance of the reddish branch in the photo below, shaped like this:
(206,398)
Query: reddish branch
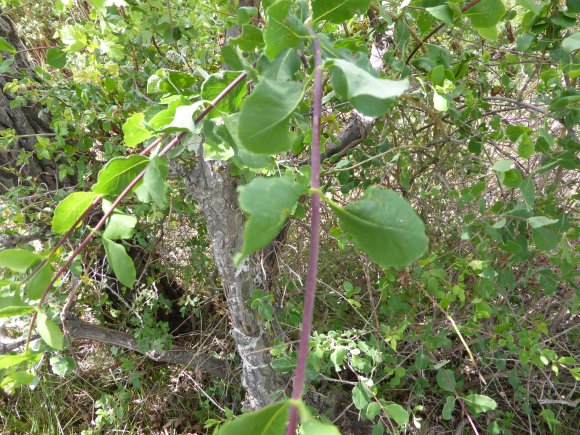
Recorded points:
(314,238)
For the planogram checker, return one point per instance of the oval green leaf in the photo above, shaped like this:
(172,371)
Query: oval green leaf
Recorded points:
(120,262)
(18,260)
(338,11)
(265,117)
(486,13)
(39,282)
(134,132)
(385,226)
(70,209)
(56,58)
(118,173)
(49,331)
(269,420)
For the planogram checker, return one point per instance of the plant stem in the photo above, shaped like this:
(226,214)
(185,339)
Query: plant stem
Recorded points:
(314,238)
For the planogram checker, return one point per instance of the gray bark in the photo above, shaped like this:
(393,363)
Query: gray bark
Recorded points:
(24,121)
(215,191)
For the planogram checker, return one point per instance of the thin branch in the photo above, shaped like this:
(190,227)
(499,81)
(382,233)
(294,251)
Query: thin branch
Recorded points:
(309,292)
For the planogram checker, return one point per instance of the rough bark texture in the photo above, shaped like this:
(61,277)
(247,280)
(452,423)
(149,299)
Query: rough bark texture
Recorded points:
(24,121)
(215,190)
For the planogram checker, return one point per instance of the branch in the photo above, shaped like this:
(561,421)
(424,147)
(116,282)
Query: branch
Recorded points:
(179,356)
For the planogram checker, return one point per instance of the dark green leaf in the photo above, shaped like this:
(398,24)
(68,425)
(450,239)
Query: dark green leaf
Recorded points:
(385,226)
(545,239)
(56,58)
(250,38)
(70,209)
(118,173)
(448,408)
(268,202)
(120,262)
(267,421)
(446,380)
(283,68)
(242,156)
(338,11)
(38,283)
(18,260)
(283,29)
(265,116)
(216,83)
(486,13)
(49,331)
(366,92)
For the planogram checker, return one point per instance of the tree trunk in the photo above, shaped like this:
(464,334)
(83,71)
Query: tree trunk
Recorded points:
(25,121)
(215,190)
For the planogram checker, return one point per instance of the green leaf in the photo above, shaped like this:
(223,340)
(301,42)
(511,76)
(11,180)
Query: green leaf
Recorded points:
(283,68)
(446,380)
(70,209)
(120,262)
(37,284)
(373,409)
(338,11)
(385,226)
(11,306)
(572,42)
(242,156)
(489,33)
(120,226)
(49,331)
(448,408)
(134,132)
(526,147)
(183,119)
(504,165)
(479,403)
(283,29)
(440,102)
(512,178)
(118,173)
(18,260)
(267,421)
(544,239)
(337,357)
(154,187)
(12,360)
(250,38)
(6,46)
(366,92)
(528,190)
(486,13)
(315,427)
(56,58)
(397,413)
(541,221)
(216,83)
(268,202)
(360,396)
(443,13)
(244,14)
(265,117)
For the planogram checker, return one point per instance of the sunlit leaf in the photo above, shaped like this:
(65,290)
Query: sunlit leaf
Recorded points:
(120,226)
(18,260)
(118,173)
(120,262)
(479,403)
(134,132)
(70,209)
(338,11)
(486,13)
(49,331)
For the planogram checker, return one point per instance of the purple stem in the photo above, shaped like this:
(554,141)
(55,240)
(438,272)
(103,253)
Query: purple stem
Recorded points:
(120,198)
(314,239)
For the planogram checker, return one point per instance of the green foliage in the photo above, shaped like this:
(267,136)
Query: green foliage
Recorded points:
(269,420)
(70,209)
(385,226)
